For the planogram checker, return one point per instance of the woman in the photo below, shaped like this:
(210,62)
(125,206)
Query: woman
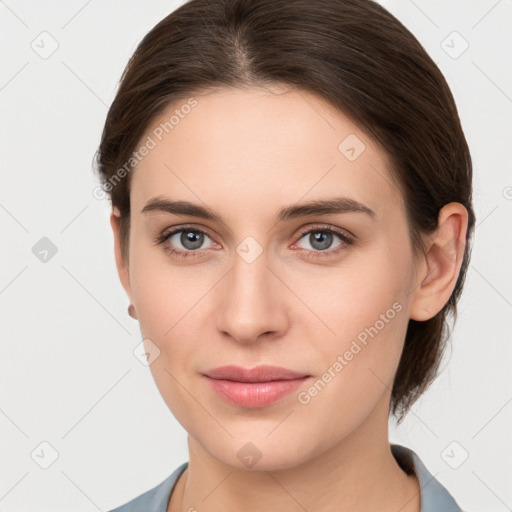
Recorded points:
(292,212)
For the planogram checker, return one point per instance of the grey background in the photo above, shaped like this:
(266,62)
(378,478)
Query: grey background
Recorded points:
(68,376)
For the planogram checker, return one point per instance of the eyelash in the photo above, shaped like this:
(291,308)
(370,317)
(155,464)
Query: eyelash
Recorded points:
(347,241)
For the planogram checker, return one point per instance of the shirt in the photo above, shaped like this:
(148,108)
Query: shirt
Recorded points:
(434,497)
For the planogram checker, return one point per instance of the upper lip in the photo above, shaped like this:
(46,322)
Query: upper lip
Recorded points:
(264,373)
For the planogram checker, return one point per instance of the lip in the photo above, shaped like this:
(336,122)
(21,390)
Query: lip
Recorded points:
(256,387)
(263,373)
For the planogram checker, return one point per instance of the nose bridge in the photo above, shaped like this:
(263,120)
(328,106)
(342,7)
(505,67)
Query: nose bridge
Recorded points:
(251,302)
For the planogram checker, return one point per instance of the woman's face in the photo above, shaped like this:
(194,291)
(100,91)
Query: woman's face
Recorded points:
(263,287)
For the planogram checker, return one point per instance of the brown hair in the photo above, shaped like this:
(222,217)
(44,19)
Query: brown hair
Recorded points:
(352,53)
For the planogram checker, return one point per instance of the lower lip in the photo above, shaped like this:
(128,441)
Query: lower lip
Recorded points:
(254,394)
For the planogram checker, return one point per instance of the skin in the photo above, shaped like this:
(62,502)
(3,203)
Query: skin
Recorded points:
(246,154)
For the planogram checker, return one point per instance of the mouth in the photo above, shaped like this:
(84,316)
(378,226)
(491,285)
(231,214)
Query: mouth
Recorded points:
(254,388)
(264,373)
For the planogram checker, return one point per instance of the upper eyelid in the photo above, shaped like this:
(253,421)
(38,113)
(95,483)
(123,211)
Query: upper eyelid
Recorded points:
(179,229)
(336,230)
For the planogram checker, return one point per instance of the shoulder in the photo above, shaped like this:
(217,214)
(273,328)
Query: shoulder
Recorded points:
(157,498)
(434,496)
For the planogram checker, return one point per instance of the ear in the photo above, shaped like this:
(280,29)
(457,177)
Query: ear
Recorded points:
(439,268)
(121,264)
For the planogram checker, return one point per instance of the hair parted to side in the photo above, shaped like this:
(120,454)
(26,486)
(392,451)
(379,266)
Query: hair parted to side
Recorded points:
(352,53)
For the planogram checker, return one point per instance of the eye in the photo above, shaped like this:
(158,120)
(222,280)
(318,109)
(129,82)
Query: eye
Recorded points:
(184,242)
(188,242)
(321,239)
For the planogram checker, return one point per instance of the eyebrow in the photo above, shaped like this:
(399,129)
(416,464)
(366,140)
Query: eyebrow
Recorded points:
(334,205)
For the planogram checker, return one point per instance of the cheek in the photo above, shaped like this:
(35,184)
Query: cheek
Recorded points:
(356,366)
(360,325)
(163,292)
(170,302)
(349,298)
(174,312)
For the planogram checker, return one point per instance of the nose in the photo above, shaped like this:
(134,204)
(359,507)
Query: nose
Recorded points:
(252,302)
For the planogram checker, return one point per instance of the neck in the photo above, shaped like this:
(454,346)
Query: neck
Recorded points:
(357,474)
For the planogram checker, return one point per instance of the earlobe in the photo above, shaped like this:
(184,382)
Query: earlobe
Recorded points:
(122,267)
(442,263)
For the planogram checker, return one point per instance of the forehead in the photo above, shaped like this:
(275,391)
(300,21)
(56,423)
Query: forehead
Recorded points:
(262,147)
